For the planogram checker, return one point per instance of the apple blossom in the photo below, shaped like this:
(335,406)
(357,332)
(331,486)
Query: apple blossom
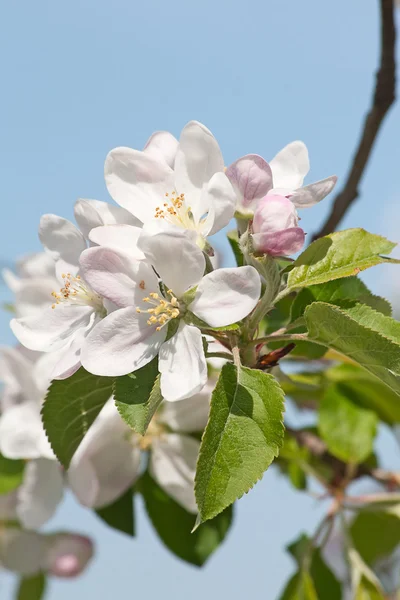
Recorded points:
(174,185)
(275,227)
(253,178)
(133,335)
(107,461)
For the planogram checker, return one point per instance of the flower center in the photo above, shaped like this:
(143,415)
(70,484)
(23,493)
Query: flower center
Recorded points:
(154,430)
(162,310)
(77,292)
(175,211)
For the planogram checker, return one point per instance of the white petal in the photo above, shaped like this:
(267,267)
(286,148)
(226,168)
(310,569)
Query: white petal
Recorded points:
(39,264)
(173,466)
(22,551)
(106,463)
(34,295)
(226,295)
(16,375)
(182,364)
(118,237)
(95,213)
(52,328)
(221,199)
(313,193)
(137,181)
(68,358)
(63,241)
(290,166)
(198,159)
(121,343)
(40,493)
(21,431)
(177,260)
(162,145)
(67,554)
(11,280)
(117,276)
(190,414)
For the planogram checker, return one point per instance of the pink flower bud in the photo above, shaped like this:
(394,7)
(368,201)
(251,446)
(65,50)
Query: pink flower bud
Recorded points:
(68,554)
(251,178)
(275,227)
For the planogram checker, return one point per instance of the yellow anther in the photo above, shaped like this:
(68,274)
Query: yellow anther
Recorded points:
(153,295)
(138,310)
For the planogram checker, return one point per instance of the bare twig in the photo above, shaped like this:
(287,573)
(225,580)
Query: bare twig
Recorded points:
(383,98)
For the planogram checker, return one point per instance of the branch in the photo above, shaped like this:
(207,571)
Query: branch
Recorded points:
(383,98)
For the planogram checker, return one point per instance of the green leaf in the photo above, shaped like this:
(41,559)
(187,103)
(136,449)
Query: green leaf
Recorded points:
(365,584)
(174,524)
(242,437)
(337,255)
(138,395)
(367,391)
(300,587)
(120,514)
(31,588)
(360,333)
(376,534)
(233,239)
(335,292)
(326,585)
(11,474)
(347,429)
(70,408)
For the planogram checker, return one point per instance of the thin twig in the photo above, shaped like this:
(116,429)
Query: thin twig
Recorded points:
(384,96)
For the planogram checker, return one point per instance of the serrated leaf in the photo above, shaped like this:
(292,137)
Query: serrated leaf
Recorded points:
(362,334)
(300,587)
(233,239)
(31,588)
(242,437)
(365,584)
(120,514)
(335,292)
(138,395)
(11,474)
(376,534)
(337,255)
(347,429)
(174,525)
(70,408)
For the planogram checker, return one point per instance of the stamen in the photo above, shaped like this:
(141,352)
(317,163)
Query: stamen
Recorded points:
(162,310)
(76,291)
(176,211)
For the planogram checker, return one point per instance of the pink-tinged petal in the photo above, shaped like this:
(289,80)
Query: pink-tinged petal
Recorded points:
(279,243)
(40,493)
(67,554)
(182,364)
(251,177)
(313,193)
(137,181)
(118,237)
(274,213)
(198,159)
(121,343)
(117,276)
(95,213)
(290,166)
(226,296)
(221,200)
(162,145)
(63,241)
(177,260)
(52,328)
(173,466)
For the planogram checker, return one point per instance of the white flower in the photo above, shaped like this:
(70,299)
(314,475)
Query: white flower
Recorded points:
(253,178)
(107,462)
(169,184)
(132,336)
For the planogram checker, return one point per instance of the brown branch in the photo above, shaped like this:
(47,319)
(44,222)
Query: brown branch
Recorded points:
(383,98)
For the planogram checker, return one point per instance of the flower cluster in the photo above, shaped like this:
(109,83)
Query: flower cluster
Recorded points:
(127,285)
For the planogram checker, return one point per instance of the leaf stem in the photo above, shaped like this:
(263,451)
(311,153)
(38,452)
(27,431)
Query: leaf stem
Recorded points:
(283,337)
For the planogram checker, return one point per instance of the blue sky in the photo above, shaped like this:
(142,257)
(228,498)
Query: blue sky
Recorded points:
(82,77)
